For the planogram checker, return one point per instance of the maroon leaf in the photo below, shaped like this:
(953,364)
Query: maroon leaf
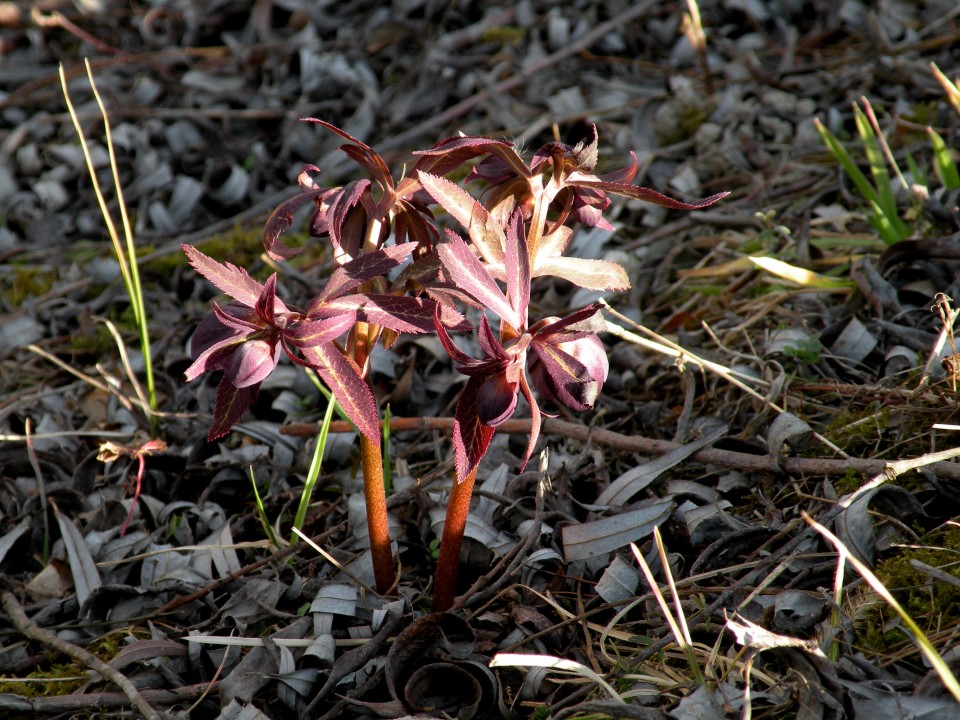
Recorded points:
(397,312)
(343,377)
(517,265)
(361,153)
(471,438)
(212,358)
(535,420)
(315,332)
(342,225)
(484,232)
(267,302)
(588,320)
(281,219)
(489,343)
(642,193)
(559,375)
(230,405)
(468,273)
(453,152)
(226,277)
(359,270)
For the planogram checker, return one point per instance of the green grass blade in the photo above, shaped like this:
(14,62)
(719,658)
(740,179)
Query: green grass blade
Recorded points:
(885,198)
(262,512)
(943,162)
(839,152)
(926,647)
(314,471)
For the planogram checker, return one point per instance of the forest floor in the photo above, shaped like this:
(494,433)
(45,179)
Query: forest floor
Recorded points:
(775,357)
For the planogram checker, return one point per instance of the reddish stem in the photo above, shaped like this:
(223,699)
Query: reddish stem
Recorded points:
(445,580)
(377,524)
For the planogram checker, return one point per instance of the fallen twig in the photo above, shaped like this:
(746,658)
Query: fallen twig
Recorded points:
(832,467)
(34,632)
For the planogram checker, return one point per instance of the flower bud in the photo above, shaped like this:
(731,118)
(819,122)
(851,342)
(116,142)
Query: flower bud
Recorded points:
(571,372)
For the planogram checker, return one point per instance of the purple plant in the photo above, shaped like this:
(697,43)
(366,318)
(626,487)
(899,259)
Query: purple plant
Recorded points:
(518,229)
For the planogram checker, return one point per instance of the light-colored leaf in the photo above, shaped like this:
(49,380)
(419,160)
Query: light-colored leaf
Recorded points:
(608,534)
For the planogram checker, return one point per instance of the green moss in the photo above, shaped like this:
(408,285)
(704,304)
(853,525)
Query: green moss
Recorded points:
(57,679)
(28,281)
(505,34)
(932,604)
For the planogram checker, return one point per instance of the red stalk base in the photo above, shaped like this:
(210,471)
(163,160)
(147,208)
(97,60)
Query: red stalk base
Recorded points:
(445,581)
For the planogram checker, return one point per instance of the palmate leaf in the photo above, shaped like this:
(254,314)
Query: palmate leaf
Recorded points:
(226,277)
(342,376)
(471,438)
(469,275)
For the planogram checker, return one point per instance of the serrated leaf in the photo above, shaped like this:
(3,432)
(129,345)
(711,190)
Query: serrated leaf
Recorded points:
(468,273)
(517,265)
(280,219)
(484,232)
(471,438)
(359,270)
(226,277)
(647,195)
(230,405)
(314,332)
(590,274)
(401,313)
(342,376)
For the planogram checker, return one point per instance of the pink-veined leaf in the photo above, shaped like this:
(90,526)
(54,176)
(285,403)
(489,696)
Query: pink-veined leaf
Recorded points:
(452,152)
(280,219)
(235,321)
(535,420)
(230,405)
(469,275)
(450,347)
(471,438)
(570,381)
(485,233)
(401,313)
(642,193)
(213,358)
(588,320)
(489,343)
(359,270)
(517,265)
(342,205)
(361,153)
(342,376)
(314,332)
(590,274)
(267,302)
(226,277)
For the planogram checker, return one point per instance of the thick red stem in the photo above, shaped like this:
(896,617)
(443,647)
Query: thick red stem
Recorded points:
(445,580)
(376,499)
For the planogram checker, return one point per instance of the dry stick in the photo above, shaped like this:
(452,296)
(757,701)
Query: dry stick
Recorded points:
(832,467)
(34,632)
(76,702)
(888,473)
